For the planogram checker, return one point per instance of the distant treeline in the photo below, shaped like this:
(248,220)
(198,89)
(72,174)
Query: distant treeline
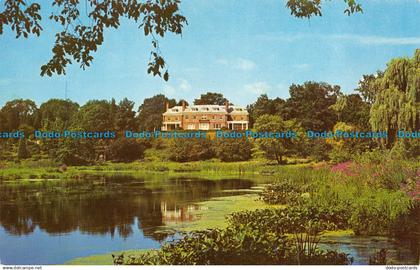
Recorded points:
(385,101)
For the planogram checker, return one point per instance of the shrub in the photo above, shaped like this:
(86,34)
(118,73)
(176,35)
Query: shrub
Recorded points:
(75,152)
(190,149)
(23,152)
(380,213)
(238,244)
(233,149)
(126,150)
(319,149)
(379,258)
(283,192)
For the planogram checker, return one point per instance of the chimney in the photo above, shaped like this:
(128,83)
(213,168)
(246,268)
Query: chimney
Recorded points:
(167,105)
(183,105)
(227,105)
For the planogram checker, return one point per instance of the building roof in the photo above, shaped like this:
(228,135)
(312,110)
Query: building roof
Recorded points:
(207,109)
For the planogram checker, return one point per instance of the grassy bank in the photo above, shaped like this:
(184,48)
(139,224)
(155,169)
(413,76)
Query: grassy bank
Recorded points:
(33,171)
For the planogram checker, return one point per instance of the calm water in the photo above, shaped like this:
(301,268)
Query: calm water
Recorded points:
(52,222)
(55,221)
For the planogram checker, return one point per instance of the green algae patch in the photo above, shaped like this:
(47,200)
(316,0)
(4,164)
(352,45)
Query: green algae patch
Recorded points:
(104,259)
(212,214)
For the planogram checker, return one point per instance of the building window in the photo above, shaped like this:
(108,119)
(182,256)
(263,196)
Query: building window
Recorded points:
(186,117)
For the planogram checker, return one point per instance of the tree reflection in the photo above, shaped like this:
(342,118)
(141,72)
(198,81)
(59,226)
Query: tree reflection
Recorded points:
(107,206)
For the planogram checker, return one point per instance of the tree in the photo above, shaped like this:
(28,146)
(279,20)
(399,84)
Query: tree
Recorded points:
(75,152)
(233,149)
(126,150)
(211,99)
(369,87)
(83,29)
(182,101)
(265,105)
(2,121)
(56,114)
(310,105)
(150,112)
(397,104)
(343,149)
(351,109)
(125,116)
(276,148)
(19,112)
(309,8)
(190,149)
(84,23)
(23,152)
(95,115)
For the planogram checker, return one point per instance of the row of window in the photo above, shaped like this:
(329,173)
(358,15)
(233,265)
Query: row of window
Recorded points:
(194,109)
(204,126)
(204,117)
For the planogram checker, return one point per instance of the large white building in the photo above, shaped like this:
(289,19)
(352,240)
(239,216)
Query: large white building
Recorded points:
(205,117)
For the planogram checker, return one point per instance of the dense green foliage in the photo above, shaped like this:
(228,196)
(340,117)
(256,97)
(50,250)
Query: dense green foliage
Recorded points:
(75,152)
(369,198)
(388,101)
(124,150)
(22,150)
(233,149)
(396,105)
(150,112)
(276,148)
(263,106)
(192,149)
(310,105)
(257,237)
(211,98)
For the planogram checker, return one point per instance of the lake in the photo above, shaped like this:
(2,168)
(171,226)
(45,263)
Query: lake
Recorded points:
(54,221)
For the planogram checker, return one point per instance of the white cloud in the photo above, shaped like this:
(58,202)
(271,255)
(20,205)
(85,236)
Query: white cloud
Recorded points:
(257,88)
(378,40)
(5,81)
(244,64)
(169,90)
(359,39)
(302,66)
(179,91)
(184,85)
(238,63)
(222,61)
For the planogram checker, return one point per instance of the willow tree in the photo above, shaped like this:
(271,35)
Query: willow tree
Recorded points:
(397,104)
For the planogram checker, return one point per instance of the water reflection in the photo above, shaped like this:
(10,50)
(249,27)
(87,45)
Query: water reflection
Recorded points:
(106,206)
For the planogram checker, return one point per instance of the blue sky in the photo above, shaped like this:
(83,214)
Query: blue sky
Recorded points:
(239,48)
